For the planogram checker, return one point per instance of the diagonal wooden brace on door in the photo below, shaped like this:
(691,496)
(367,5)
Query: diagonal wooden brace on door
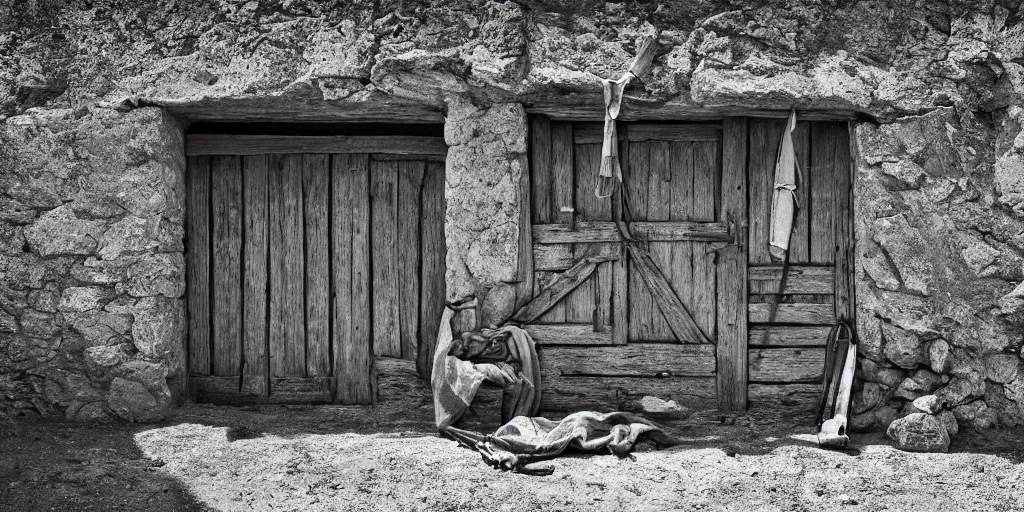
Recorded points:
(679,319)
(565,283)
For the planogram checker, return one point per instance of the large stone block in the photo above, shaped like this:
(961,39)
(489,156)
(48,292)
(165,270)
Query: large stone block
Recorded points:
(107,355)
(908,250)
(156,274)
(38,324)
(1013,303)
(99,327)
(131,401)
(1002,368)
(59,231)
(128,236)
(159,325)
(871,371)
(919,432)
(938,355)
(902,347)
(84,298)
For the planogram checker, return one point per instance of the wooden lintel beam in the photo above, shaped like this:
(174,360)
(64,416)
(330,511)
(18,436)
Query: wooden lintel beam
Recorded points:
(589,107)
(226,144)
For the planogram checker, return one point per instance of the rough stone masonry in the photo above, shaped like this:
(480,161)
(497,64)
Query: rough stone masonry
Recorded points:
(92,167)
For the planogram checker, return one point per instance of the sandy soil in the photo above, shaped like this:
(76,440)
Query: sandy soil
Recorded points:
(216,458)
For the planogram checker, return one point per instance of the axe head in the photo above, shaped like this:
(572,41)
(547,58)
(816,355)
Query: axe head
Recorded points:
(833,433)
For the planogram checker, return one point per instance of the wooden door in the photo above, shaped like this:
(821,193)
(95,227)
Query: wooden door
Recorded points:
(307,258)
(646,319)
(786,353)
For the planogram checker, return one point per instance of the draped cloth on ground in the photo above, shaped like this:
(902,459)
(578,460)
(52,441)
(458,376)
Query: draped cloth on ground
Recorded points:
(455,381)
(524,440)
(784,204)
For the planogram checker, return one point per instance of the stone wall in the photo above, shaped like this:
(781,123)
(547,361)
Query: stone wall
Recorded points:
(91,317)
(91,174)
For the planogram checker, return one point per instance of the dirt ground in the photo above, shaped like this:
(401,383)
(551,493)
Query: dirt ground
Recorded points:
(291,458)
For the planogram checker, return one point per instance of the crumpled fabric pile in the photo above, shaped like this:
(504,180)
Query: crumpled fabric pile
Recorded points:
(507,356)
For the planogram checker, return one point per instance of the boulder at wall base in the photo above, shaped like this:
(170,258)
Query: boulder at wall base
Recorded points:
(919,432)
(131,401)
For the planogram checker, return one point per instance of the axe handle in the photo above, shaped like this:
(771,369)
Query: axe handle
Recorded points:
(846,381)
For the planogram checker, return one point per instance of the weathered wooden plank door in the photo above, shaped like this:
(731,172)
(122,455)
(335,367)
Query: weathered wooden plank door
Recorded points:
(616,337)
(305,263)
(786,353)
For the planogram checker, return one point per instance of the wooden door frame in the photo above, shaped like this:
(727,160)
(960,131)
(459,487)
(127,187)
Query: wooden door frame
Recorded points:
(732,295)
(227,389)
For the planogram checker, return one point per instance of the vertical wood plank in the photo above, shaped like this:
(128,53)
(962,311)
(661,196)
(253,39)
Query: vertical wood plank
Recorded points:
(706,172)
(410,183)
(824,139)
(641,303)
(287,287)
(540,169)
(433,250)
(842,192)
(384,218)
(659,183)
(539,192)
(315,190)
(562,191)
(353,354)
(524,272)
(362,273)
(255,369)
(562,183)
(226,191)
(198,270)
(683,197)
(799,244)
(579,304)
(765,137)
(620,269)
(732,273)
(595,209)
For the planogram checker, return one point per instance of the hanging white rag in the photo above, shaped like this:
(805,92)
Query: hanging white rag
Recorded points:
(610,174)
(784,203)
(611,170)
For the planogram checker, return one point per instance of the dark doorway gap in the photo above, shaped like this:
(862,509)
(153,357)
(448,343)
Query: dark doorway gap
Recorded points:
(314,129)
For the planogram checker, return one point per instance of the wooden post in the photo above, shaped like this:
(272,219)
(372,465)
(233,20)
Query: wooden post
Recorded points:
(199,265)
(846,152)
(732,271)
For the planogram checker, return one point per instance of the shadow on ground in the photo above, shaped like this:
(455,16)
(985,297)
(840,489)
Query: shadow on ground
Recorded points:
(53,465)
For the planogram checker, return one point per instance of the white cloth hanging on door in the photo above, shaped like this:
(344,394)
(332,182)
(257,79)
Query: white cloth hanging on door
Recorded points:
(611,170)
(784,203)
(610,174)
